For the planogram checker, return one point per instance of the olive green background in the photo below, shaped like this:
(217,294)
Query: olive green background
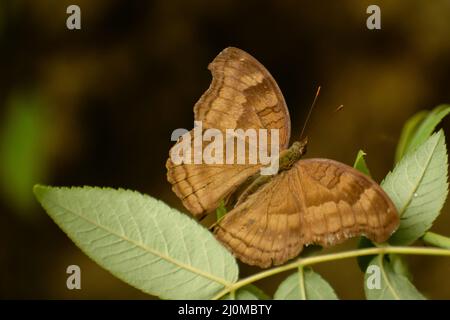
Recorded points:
(97,107)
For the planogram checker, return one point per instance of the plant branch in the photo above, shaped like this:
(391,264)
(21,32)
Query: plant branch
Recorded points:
(436,240)
(301,262)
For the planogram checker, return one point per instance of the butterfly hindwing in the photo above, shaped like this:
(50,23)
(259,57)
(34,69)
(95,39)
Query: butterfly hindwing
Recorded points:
(266,228)
(341,202)
(317,201)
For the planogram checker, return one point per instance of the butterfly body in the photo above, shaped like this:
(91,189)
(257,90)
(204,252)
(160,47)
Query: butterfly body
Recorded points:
(311,201)
(292,155)
(287,158)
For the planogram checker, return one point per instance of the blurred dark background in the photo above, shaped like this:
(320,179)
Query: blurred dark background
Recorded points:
(97,106)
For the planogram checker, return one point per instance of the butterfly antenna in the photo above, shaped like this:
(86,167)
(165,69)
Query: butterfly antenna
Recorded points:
(310,111)
(339,108)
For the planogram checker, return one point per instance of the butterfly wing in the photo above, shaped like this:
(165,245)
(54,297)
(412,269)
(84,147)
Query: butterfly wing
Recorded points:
(317,201)
(266,228)
(242,95)
(201,187)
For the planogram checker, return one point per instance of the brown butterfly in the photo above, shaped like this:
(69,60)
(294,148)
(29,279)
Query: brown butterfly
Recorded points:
(271,218)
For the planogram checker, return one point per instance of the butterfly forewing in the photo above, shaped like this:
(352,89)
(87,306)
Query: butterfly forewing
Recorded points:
(242,95)
(201,187)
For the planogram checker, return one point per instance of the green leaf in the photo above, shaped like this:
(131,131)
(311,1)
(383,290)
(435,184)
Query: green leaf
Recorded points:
(381,282)
(305,285)
(408,131)
(221,211)
(249,292)
(398,262)
(142,241)
(360,163)
(428,125)
(418,187)
(419,128)
(400,265)
(23,153)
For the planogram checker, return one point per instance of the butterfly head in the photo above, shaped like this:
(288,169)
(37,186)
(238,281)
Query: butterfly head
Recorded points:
(293,154)
(300,146)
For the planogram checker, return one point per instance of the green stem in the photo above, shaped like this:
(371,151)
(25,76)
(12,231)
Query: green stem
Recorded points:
(301,262)
(301,282)
(436,240)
